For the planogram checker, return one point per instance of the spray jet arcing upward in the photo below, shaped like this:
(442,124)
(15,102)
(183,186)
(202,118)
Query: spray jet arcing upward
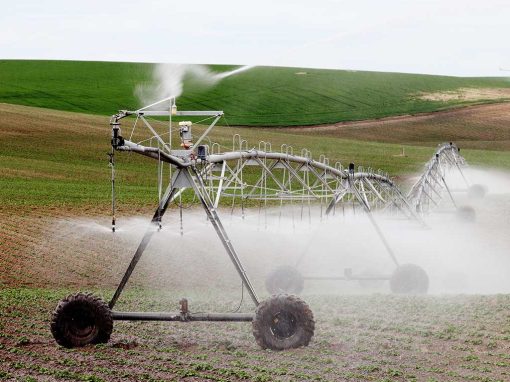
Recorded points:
(168,80)
(223,75)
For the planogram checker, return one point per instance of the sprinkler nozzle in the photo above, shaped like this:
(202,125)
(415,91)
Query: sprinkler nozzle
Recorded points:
(117,139)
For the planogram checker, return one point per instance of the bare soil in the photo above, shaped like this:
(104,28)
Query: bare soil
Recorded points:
(476,127)
(467,94)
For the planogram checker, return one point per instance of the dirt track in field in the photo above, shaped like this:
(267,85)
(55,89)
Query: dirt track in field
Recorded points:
(477,127)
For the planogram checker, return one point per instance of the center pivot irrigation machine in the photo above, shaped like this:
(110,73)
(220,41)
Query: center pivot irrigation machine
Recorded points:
(270,177)
(362,189)
(428,191)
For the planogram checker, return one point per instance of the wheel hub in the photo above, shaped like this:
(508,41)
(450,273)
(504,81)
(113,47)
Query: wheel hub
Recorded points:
(81,324)
(283,325)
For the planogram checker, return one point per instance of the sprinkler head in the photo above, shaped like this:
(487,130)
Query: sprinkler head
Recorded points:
(173,107)
(202,152)
(117,139)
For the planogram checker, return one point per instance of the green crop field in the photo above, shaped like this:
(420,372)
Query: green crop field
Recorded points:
(263,96)
(55,158)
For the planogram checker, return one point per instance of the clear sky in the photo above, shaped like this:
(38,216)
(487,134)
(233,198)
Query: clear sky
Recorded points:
(454,37)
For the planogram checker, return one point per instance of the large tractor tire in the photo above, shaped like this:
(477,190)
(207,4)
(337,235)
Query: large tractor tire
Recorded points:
(283,322)
(285,279)
(81,319)
(409,279)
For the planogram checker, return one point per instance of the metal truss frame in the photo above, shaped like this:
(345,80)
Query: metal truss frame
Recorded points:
(429,189)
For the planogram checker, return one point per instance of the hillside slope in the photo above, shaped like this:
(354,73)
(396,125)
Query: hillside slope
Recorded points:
(262,96)
(59,158)
(479,127)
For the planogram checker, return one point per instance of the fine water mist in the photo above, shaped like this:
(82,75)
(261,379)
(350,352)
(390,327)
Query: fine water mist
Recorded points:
(459,256)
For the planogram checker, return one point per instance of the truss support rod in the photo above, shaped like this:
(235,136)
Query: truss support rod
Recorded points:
(156,135)
(270,172)
(411,210)
(394,203)
(261,178)
(433,177)
(160,211)
(371,186)
(449,193)
(430,198)
(220,185)
(364,193)
(112,165)
(220,230)
(336,198)
(320,179)
(182,317)
(208,130)
(298,178)
(462,173)
(431,187)
(374,223)
(234,174)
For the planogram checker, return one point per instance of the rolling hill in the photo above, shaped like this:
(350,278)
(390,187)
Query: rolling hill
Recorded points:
(262,96)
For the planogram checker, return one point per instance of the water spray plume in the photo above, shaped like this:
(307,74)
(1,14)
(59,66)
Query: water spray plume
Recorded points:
(223,75)
(168,80)
(156,103)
